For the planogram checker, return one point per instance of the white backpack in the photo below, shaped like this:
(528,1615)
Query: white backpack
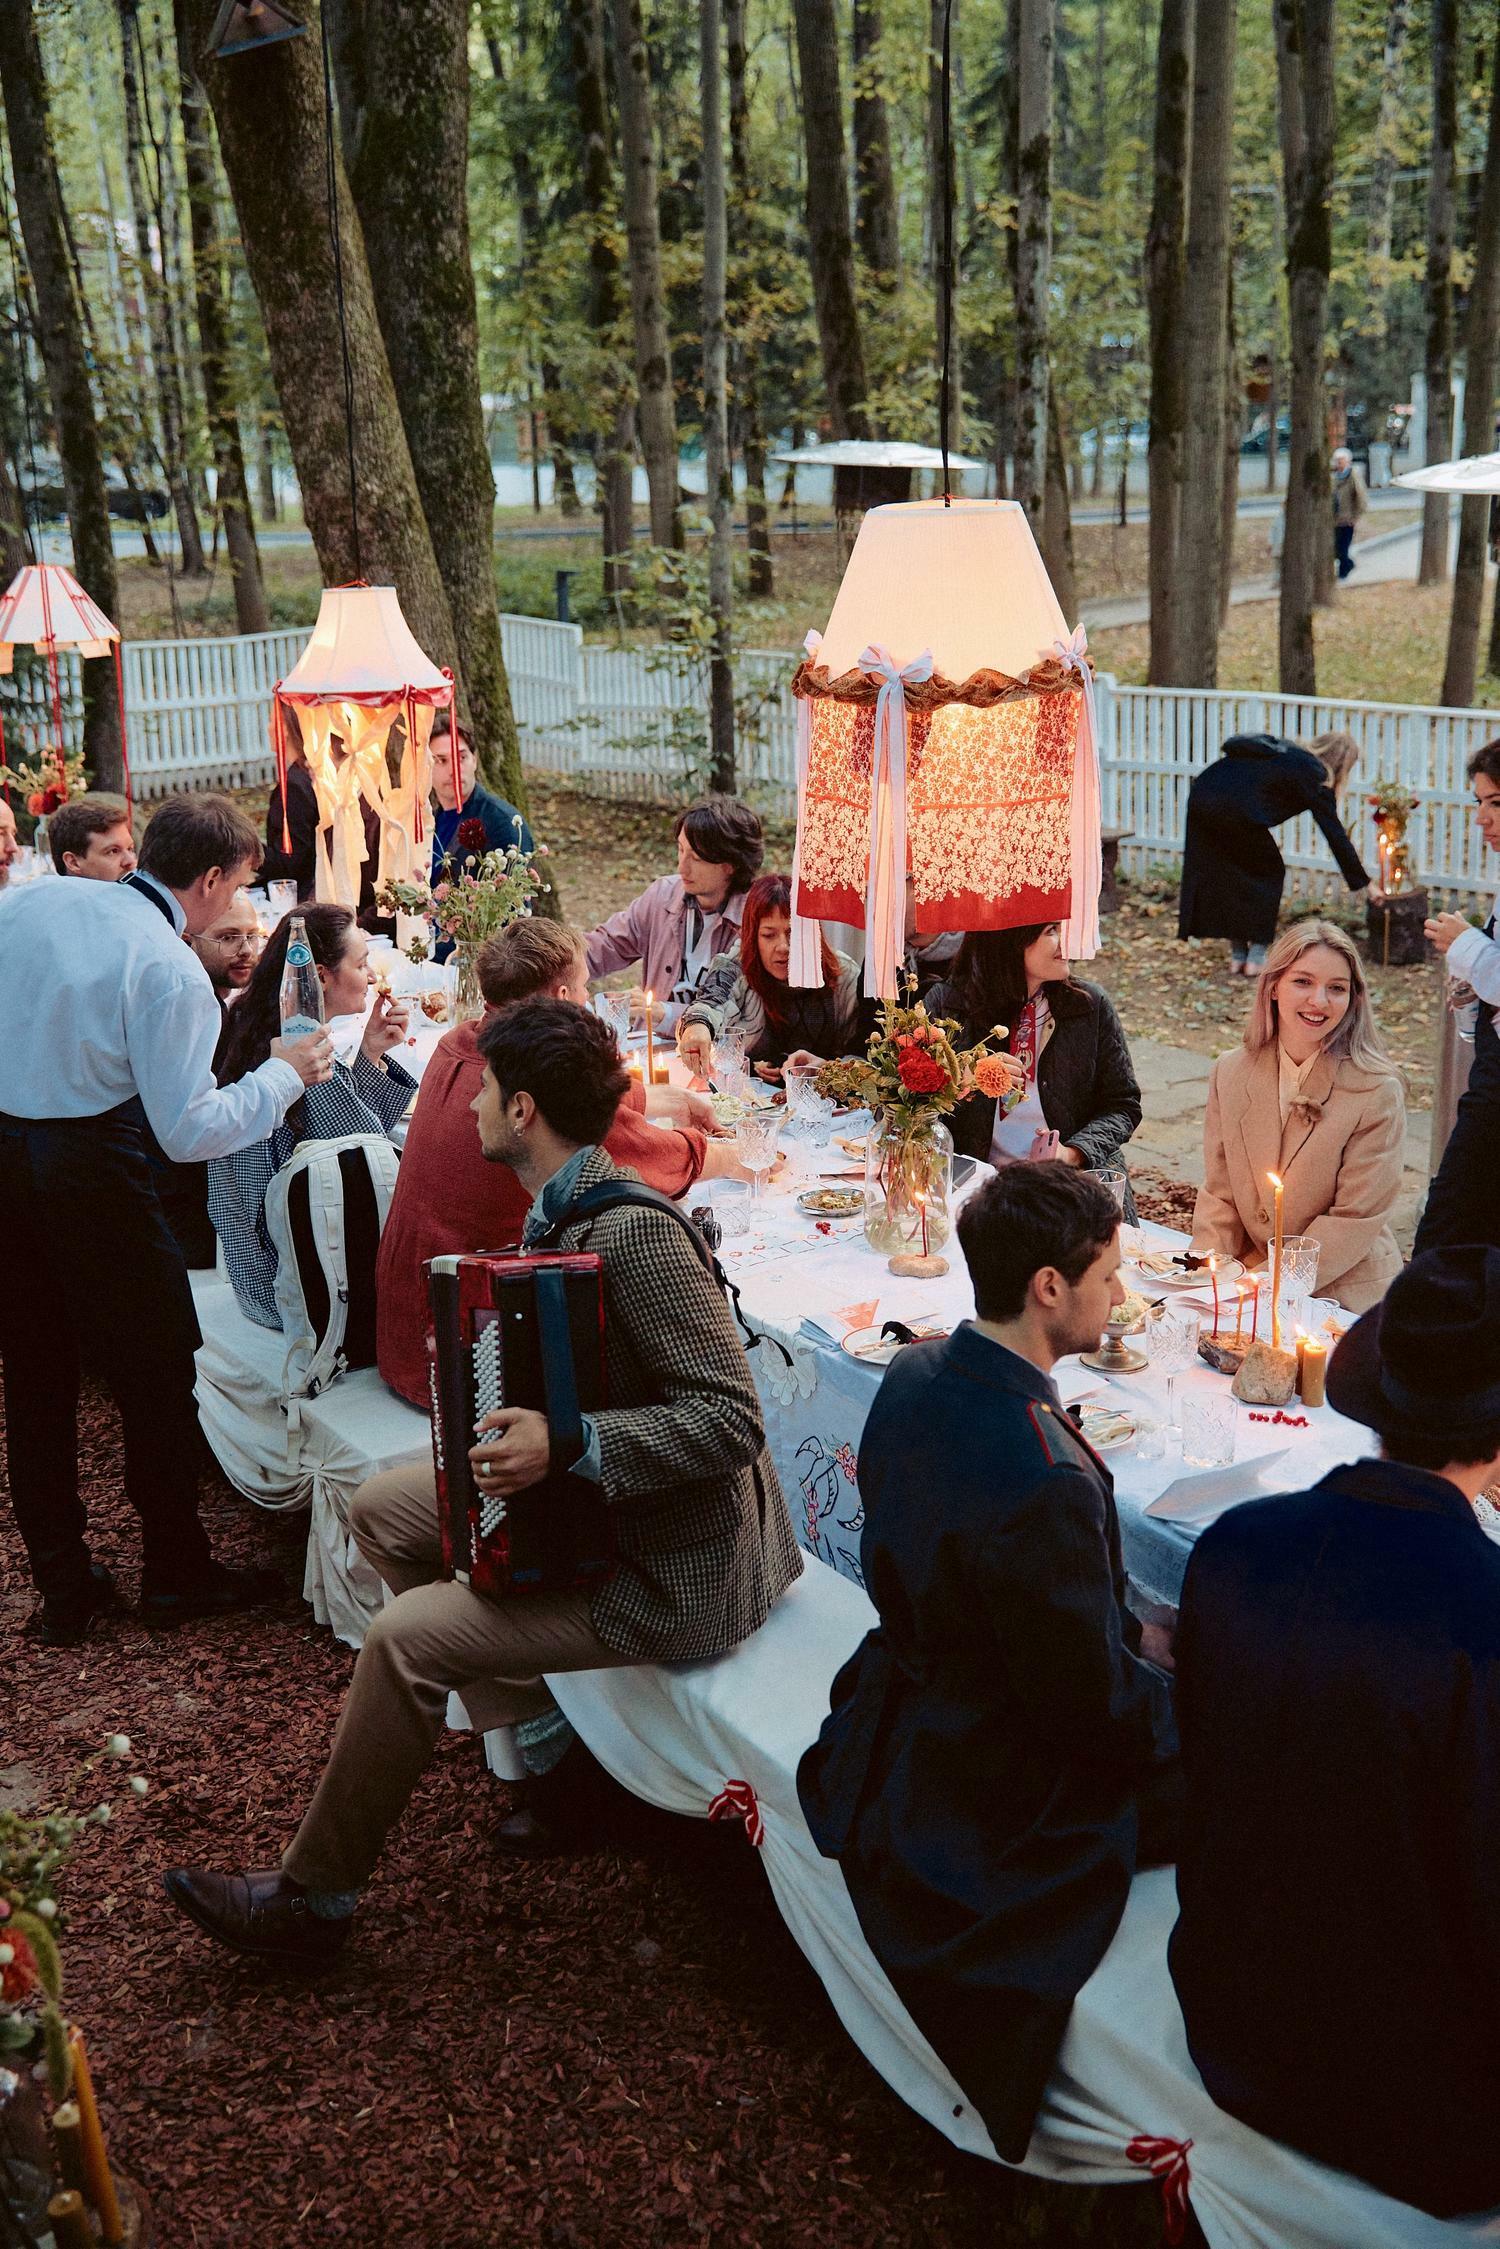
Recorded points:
(325,1211)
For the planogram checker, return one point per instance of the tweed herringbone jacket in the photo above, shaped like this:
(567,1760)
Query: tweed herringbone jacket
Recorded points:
(704,1539)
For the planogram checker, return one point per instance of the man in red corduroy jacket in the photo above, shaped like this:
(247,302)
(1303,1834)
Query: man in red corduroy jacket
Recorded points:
(449,1201)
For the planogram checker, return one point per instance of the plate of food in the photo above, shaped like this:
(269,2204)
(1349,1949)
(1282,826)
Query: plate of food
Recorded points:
(1127,1317)
(832,1202)
(877,1346)
(1106,1428)
(1185,1268)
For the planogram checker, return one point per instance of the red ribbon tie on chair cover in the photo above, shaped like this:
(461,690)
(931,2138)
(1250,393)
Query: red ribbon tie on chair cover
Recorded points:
(736,1801)
(1167,2161)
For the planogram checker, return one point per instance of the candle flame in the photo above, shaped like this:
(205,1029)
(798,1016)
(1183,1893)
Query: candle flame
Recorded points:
(1275,1182)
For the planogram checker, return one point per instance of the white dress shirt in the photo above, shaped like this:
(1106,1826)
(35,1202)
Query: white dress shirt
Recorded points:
(1475,958)
(100,1001)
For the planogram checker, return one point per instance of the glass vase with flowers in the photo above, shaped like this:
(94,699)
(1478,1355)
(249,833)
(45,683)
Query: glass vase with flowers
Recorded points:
(911,1076)
(473,898)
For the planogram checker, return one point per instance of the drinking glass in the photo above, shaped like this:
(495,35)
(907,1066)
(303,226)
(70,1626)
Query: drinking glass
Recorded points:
(1208,1426)
(1153,1438)
(283,898)
(755,1141)
(731,1206)
(614,1007)
(1115,1180)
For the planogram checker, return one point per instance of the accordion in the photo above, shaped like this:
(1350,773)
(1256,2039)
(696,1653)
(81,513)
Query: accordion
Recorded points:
(517,1330)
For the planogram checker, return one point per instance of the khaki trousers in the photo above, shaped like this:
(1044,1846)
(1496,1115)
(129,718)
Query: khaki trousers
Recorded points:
(434,1639)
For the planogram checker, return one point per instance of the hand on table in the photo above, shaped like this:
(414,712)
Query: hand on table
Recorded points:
(638,1004)
(519,1454)
(769,1071)
(386,1028)
(695,1046)
(804,1059)
(311,1056)
(1443,928)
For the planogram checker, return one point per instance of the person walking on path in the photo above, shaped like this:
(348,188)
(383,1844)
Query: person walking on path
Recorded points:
(1232,871)
(108,1024)
(1349,504)
(1463,1202)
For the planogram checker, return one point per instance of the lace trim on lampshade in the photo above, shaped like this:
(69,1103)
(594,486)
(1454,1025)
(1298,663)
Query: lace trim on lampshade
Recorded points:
(984,689)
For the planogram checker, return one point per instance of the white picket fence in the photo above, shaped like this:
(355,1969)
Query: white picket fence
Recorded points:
(630,721)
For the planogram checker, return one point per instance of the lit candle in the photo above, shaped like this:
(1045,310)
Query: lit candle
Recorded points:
(1254,1309)
(1239,1311)
(1276,1265)
(650,1041)
(1312,1369)
(100,2186)
(1213,1282)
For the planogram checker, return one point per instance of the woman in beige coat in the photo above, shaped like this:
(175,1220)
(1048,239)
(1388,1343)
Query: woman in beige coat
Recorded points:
(1313,1096)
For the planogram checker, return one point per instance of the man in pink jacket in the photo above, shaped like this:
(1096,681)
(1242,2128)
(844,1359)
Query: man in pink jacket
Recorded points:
(681,922)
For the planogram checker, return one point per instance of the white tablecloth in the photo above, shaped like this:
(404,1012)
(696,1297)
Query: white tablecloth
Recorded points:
(791,1277)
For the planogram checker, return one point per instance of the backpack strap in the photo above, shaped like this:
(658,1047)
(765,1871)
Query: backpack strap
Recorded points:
(621,1194)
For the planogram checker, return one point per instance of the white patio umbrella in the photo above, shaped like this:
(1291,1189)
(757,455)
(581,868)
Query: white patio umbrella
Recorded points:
(1472,478)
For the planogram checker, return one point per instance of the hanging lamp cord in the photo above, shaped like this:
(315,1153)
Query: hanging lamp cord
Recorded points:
(945,296)
(338,289)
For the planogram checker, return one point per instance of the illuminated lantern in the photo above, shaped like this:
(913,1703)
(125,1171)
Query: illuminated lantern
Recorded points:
(359,675)
(946,730)
(46,608)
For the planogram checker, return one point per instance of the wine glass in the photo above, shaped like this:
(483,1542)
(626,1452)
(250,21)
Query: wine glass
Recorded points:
(615,1008)
(755,1143)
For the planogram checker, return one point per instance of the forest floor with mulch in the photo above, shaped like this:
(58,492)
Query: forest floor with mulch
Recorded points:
(605,2051)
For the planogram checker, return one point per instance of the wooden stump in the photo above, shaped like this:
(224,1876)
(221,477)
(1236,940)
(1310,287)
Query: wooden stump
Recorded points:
(1394,936)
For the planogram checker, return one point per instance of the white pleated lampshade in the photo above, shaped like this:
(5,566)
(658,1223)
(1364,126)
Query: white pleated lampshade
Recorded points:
(361,646)
(965,581)
(44,607)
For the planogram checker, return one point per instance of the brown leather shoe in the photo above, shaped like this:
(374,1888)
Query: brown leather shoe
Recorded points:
(543,1819)
(261,1912)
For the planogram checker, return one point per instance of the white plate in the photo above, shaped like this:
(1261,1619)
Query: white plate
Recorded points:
(1122,1428)
(866,1344)
(807,1203)
(1226,1269)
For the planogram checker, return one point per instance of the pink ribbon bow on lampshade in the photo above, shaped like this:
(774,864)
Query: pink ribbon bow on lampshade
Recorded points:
(1080,932)
(805,968)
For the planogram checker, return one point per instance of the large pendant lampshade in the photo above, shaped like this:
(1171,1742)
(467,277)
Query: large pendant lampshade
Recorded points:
(361,673)
(45,607)
(945,731)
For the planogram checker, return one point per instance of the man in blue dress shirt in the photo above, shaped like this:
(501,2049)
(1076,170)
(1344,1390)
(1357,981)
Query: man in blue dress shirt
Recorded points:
(108,1023)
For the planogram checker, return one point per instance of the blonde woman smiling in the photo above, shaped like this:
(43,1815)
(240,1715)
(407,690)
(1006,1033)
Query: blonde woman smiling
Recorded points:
(1313,1096)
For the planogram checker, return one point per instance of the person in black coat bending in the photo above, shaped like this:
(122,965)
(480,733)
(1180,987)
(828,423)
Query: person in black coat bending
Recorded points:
(1338,1681)
(1232,870)
(1000,1755)
(1074,1093)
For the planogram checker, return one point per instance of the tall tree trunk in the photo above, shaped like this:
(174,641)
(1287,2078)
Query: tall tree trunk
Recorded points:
(1304,77)
(1164,292)
(1273,407)
(1203,342)
(1056,538)
(943,227)
(1037,34)
(409,183)
(1438,356)
(615,452)
(830,243)
(716,403)
(1380,225)
(273,99)
(251,612)
(656,410)
(154,288)
(746,379)
(15,547)
(876,226)
(1229,484)
(1481,341)
(60,335)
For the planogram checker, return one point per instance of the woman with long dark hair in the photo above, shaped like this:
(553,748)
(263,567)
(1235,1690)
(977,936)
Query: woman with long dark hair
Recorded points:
(748,992)
(1073,1088)
(369,1094)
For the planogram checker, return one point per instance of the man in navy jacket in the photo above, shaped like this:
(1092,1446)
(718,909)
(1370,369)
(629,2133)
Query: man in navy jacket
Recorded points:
(1338,1688)
(999,1756)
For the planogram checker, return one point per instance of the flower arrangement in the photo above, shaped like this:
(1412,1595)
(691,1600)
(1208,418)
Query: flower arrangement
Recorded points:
(36,778)
(1390,801)
(34,1850)
(913,1071)
(469,903)
(1392,806)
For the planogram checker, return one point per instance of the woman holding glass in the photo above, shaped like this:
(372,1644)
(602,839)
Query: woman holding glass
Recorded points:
(1312,1096)
(1073,1091)
(748,993)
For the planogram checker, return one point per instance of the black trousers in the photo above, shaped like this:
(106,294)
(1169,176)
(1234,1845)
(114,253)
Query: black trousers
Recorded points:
(94,1279)
(1463,1202)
